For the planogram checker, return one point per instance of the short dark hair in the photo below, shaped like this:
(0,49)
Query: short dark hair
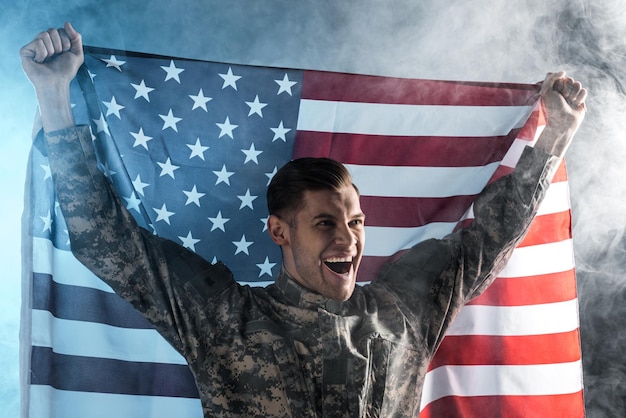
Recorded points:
(286,190)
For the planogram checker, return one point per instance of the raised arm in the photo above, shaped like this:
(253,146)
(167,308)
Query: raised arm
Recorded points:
(563,99)
(156,275)
(436,278)
(50,62)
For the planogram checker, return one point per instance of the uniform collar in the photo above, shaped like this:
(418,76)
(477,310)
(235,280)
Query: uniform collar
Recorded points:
(297,295)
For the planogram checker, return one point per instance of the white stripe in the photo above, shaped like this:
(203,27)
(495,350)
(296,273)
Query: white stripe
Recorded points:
(90,339)
(48,402)
(517,147)
(385,241)
(64,267)
(557,199)
(526,380)
(409,120)
(535,260)
(435,182)
(420,181)
(549,318)
(515,152)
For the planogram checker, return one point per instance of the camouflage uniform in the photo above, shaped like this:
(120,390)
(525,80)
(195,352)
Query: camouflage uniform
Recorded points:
(283,351)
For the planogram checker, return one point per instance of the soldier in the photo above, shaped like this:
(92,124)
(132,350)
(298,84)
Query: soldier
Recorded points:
(312,344)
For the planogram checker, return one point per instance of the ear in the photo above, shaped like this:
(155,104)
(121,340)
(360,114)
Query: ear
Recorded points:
(278,230)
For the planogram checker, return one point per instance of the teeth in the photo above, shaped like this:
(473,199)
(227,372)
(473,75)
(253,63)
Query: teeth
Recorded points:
(339,260)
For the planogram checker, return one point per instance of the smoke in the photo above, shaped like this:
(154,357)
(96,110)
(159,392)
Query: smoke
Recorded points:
(596,48)
(456,39)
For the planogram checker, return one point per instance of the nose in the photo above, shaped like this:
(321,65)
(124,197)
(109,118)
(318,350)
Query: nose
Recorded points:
(345,236)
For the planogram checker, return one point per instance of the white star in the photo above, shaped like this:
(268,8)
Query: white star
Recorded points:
(193,196)
(101,124)
(266,267)
(218,222)
(189,241)
(91,75)
(264,220)
(47,172)
(142,90)
(223,176)
(242,245)
(114,62)
(200,100)
(141,139)
(246,200)
(251,154)
(138,185)
(163,214)
(285,85)
(271,175)
(132,202)
(47,222)
(256,107)
(279,133)
(230,79)
(113,108)
(226,128)
(170,121)
(167,168)
(197,150)
(172,72)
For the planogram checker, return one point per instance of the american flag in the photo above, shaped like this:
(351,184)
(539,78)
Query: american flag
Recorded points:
(191,146)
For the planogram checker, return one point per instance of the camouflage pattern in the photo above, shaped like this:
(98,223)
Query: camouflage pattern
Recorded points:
(283,351)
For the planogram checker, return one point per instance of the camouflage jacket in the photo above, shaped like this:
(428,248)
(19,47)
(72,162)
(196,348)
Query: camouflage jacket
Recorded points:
(283,351)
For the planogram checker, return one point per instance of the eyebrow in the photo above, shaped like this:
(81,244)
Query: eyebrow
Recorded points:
(324,215)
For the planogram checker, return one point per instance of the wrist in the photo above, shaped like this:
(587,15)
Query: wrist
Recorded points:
(555,140)
(55,106)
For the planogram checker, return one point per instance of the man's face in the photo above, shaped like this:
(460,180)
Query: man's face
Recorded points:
(323,241)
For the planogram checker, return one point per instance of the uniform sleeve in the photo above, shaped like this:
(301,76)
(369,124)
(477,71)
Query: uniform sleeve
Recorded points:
(434,279)
(167,283)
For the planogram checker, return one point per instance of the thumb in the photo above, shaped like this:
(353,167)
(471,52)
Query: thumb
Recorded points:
(74,37)
(550,80)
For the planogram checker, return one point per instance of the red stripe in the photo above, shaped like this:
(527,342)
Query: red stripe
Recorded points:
(371,265)
(412,212)
(547,406)
(545,229)
(531,290)
(561,173)
(507,350)
(529,130)
(501,171)
(374,89)
(403,151)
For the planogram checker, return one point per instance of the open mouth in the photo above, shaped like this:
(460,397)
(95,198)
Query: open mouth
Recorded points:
(340,265)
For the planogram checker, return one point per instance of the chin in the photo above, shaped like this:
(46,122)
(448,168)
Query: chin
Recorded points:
(344,294)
